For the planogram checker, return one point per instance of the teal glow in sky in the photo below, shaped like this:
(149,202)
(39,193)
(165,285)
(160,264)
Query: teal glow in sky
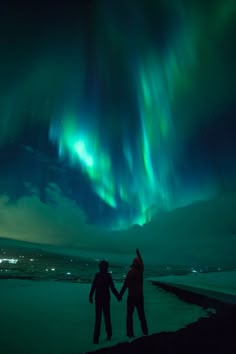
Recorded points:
(125,100)
(128,132)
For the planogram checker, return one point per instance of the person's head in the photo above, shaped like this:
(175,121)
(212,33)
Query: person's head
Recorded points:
(103,266)
(136,263)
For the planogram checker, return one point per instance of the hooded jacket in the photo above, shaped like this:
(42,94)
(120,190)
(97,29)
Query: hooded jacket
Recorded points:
(134,279)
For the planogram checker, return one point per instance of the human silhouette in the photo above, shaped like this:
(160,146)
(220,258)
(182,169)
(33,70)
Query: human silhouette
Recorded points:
(101,285)
(135,299)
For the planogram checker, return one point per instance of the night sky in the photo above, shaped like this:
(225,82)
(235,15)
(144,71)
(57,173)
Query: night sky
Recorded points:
(113,111)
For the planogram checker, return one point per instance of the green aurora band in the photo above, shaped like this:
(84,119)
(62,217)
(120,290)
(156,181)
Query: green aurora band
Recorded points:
(160,79)
(122,98)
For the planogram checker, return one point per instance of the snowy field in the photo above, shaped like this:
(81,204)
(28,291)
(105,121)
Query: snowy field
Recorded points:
(219,285)
(49,317)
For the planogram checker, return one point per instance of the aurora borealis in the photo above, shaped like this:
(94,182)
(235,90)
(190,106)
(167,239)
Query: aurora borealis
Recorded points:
(127,107)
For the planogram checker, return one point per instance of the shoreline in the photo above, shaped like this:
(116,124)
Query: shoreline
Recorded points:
(214,334)
(54,317)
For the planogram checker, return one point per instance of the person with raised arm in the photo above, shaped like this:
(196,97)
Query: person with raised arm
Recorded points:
(134,283)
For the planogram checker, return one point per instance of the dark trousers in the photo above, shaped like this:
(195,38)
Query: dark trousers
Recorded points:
(138,303)
(105,309)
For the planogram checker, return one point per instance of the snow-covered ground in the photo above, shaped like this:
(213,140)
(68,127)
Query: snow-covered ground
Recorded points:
(48,317)
(219,285)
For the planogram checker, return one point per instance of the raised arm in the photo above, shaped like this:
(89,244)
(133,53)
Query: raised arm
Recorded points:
(139,258)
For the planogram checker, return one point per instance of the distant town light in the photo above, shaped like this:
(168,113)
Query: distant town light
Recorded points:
(53,269)
(9,260)
(68,273)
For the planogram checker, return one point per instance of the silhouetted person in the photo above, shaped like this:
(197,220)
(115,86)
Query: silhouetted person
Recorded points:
(101,285)
(135,299)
